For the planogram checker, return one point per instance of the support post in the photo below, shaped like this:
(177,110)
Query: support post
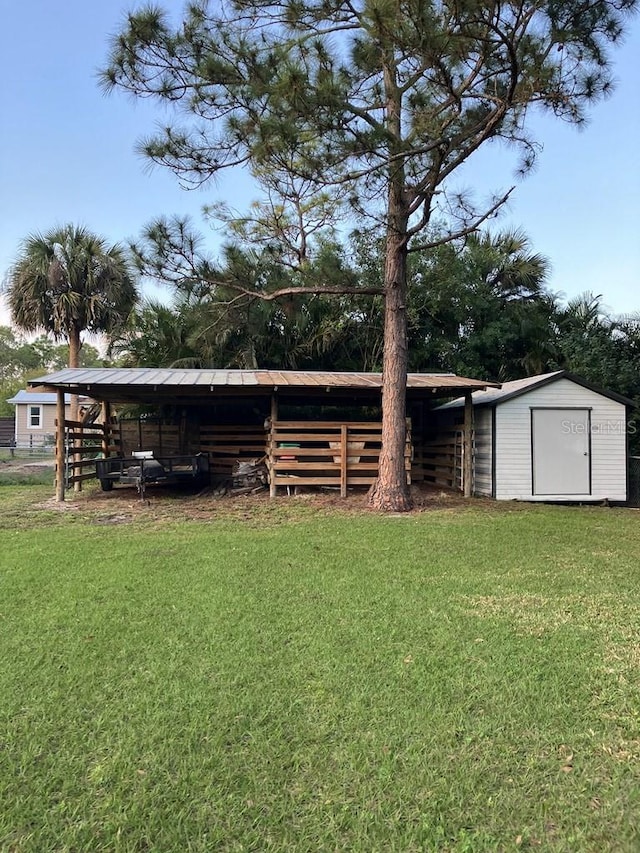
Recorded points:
(344,457)
(467,471)
(60,413)
(106,427)
(272,457)
(77,456)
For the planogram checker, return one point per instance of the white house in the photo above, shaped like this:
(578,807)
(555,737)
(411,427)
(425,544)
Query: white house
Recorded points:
(552,437)
(36,417)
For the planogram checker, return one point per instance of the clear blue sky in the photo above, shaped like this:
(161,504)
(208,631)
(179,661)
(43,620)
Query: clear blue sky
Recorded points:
(67,155)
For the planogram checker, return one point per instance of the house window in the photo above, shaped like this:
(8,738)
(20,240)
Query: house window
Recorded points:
(34,417)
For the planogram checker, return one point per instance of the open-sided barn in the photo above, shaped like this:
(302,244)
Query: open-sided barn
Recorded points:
(312,428)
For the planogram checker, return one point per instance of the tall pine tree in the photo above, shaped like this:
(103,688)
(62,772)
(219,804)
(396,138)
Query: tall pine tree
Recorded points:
(378,101)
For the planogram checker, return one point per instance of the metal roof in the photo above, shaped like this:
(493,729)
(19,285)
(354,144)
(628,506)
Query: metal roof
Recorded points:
(127,384)
(37,398)
(508,390)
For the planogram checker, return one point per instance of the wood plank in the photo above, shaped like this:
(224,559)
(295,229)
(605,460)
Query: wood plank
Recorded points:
(293,465)
(231,428)
(279,480)
(333,482)
(74,435)
(235,448)
(308,438)
(375,425)
(80,464)
(306,481)
(366,437)
(74,424)
(295,452)
(81,478)
(230,438)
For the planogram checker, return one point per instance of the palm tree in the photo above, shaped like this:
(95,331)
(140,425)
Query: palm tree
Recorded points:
(68,281)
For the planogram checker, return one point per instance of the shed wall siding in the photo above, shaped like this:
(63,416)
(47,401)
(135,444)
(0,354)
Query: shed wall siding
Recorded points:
(608,442)
(482,480)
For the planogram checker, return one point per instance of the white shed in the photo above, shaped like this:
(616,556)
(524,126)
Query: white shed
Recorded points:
(552,437)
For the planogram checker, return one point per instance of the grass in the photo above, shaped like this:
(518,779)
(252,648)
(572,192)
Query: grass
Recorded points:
(26,467)
(284,679)
(36,477)
(26,454)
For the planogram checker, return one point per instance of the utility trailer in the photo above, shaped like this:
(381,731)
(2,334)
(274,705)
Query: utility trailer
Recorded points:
(143,469)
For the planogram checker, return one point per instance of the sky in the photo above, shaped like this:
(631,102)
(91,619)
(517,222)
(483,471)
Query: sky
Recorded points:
(67,155)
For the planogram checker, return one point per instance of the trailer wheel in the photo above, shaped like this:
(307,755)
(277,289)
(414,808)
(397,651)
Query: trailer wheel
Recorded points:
(106,485)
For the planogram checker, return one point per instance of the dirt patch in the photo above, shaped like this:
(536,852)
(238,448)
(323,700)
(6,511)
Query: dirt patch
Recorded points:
(123,504)
(26,465)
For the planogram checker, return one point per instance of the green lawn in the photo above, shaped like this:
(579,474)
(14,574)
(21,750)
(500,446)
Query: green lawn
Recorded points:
(26,467)
(285,679)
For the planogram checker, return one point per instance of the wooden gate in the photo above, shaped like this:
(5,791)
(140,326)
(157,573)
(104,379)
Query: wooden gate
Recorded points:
(83,443)
(327,453)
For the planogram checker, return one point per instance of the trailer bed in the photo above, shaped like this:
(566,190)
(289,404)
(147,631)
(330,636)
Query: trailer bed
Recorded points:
(141,471)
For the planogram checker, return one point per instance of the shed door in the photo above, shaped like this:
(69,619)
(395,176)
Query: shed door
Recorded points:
(560,444)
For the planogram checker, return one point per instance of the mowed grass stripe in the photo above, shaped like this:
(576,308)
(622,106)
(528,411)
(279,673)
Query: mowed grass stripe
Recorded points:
(448,681)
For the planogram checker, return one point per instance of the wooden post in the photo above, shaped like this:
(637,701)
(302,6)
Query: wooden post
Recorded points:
(77,457)
(106,427)
(272,457)
(60,413)
(344,459)
(467,471)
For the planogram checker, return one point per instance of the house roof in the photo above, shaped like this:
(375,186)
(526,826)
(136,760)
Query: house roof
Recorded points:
(37,398)
(509,390)
(157,384)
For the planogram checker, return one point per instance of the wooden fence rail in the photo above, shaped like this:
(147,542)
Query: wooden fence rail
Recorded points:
(326,453)
(225,444)
(163,438)
(83,443)
(297,453)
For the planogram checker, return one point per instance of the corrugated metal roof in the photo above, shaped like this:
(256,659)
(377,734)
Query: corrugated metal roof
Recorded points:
(91,380)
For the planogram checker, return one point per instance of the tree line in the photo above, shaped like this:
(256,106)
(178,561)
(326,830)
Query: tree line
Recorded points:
(480,307)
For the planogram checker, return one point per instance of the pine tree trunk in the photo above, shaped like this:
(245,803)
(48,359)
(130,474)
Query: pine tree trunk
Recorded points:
(391,492)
